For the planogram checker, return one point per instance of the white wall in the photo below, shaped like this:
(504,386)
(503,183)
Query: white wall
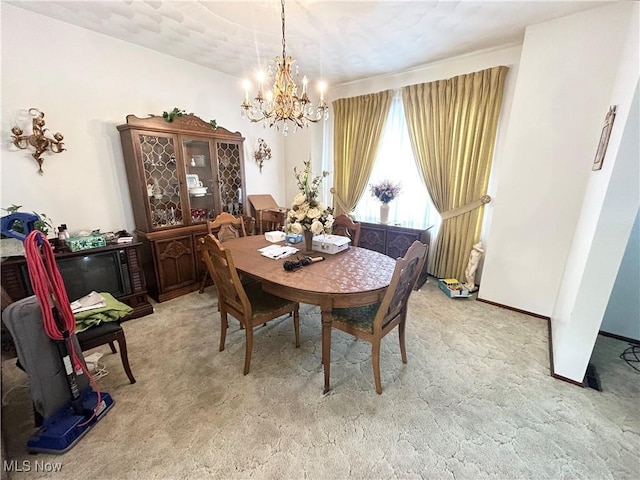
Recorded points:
(86,84)
(611,201)
(567,71)
(622,316)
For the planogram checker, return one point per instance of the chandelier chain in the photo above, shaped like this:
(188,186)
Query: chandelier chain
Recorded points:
(283,41)
(283,104)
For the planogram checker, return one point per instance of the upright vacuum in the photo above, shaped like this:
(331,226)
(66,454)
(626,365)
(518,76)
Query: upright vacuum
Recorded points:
(42,326)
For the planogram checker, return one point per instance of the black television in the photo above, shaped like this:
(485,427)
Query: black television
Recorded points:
(100,272)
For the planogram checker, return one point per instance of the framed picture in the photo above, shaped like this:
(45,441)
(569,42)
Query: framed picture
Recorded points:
(604,138)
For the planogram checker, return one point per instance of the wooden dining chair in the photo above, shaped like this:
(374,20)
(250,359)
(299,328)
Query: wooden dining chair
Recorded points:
(249,304)
(345,226)
(373,322)
(272,219)
(225,226)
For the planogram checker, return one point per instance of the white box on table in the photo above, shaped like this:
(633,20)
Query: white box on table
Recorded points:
(330,243)
(275,236)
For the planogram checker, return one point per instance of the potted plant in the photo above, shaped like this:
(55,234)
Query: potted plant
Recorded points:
(385,191)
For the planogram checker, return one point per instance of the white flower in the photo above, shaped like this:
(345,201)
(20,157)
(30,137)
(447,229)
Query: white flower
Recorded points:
(302,212)
(295,228)
(314,213)
(321,206)
(328,223)
(317,227)
(300,199)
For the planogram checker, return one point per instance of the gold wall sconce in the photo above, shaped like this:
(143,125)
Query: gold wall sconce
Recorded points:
(38,140)
(262,153)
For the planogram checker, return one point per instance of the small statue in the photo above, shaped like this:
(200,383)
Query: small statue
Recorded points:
(472,266)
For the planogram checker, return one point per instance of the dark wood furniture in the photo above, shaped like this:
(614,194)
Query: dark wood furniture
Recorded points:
(249,304)
(373,322)
(354,277)
(102,334)
(394,240)
(345,226)
(181,174)
(272,219)
(266,222)
(225,227)
(16,283)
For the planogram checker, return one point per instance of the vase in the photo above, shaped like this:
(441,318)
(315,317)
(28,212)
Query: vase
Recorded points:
(384,213)
(308,242)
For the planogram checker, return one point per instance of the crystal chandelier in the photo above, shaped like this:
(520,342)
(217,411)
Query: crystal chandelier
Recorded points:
(282,103)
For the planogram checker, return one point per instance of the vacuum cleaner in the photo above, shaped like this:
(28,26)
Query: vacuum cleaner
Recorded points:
(42,326)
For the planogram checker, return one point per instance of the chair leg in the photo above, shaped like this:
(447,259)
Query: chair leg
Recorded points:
(249,348)
(122,343)
(112,347)
(296,326)
(224,324)
(203,282)
(403,350)
(375,360)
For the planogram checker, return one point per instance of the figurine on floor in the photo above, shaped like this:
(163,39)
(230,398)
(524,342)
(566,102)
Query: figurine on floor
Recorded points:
(472,266)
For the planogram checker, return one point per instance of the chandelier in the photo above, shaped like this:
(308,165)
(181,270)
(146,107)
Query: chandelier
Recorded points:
(282,103)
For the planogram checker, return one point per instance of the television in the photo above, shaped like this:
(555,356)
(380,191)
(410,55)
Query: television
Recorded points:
(99,271)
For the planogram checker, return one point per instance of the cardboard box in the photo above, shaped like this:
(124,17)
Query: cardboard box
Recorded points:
(330,243)
(453,288)
(76,244)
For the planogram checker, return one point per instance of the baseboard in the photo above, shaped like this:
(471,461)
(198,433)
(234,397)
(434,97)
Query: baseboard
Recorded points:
(549,335)
(513,309)
(632,341)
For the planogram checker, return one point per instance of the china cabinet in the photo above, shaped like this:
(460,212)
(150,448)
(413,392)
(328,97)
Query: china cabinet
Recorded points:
(181,174)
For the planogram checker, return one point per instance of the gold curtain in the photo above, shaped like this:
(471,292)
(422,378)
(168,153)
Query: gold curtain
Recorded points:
(452,127)
(358,126)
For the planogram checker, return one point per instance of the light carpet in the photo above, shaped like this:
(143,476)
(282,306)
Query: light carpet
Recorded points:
(476,400)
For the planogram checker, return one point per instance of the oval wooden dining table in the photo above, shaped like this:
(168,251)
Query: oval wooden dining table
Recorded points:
(350,278)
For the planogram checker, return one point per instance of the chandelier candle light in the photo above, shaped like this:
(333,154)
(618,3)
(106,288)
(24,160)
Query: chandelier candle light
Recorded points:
(282,103)
(385,191)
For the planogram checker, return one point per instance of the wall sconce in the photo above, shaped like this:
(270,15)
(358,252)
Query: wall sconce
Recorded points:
(262,153)
(37,139)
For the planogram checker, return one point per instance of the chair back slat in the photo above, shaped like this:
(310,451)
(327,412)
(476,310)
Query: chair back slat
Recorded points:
(272,220)
(225,226)
(343,225)
(405,275)
(220,265)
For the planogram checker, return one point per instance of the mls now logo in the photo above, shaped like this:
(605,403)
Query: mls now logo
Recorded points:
(31,466)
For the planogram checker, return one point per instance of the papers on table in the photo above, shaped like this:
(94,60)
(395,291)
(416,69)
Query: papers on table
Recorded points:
(88,302)
(277,251)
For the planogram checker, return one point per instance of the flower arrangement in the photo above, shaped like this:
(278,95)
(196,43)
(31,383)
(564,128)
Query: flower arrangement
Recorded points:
(385,191)
(307,212)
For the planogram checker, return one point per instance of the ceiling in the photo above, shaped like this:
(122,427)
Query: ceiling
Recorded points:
(337,41)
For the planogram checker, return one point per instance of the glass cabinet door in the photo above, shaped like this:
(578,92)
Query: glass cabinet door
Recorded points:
(162,181)
(230,176)
(200,179)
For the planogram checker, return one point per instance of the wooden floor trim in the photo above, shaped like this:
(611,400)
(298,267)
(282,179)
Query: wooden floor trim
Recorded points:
(537,315)
(619,337)
(549,335)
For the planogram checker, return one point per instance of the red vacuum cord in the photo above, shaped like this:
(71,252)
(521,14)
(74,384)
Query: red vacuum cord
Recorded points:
(48,287)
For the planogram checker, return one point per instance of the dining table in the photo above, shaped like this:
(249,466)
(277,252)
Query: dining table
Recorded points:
(350,278)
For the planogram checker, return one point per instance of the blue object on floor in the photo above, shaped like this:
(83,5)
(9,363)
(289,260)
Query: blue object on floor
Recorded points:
(62,430)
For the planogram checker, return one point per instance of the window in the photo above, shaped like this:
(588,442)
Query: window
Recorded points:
(413,207)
